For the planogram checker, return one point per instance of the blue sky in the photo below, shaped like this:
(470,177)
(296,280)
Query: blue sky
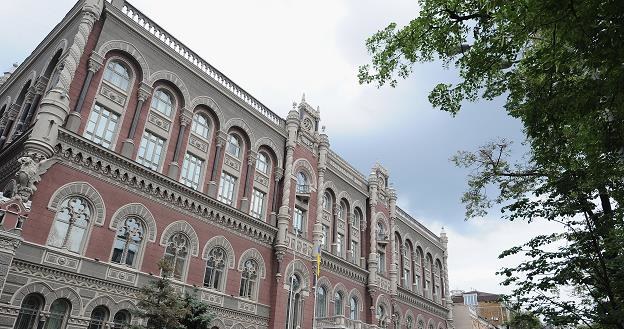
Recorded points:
(279,49)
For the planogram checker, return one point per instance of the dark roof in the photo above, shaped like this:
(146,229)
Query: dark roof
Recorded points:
(481,296)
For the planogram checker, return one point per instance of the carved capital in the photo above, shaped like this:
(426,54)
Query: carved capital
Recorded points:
(41,84)
(95,62)
(279,173)
(145,91)
(14,110)
(186,117)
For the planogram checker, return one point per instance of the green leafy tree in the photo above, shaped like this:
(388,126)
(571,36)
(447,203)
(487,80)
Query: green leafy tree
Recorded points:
(558,64)
(164,308)
(524,320)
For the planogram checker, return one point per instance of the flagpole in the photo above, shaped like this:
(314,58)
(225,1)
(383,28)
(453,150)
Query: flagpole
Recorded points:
(316,271)
(292,277)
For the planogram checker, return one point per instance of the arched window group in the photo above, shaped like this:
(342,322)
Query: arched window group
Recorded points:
(176,254)
(215,266)
(71,224)
(128,241)
(294,307)
(100,317)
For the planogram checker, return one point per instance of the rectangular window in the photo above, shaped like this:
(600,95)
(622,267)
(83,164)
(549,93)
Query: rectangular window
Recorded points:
(191,170)
(381,264)
(150,150)
(257,204)
(354,251)
(339,242)
(226,188)
(406,275)
(325,236)
(416,283)
(298,219)
(101,126)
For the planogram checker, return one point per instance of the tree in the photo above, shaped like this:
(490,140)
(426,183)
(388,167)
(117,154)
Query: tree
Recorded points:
(164,308)
(559,66)
(524,320)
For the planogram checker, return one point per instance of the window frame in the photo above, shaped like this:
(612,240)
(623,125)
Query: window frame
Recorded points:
(257,210)
(160,90)
(219,285)
(230,198)
(162,154)
(122,63)
(71,224)
(238,146)
(197,163)
(138,256)
(177,257)
(91,135)
(207,127)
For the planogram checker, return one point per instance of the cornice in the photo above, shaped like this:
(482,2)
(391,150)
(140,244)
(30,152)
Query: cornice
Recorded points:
(421,303)
(81,154)
(343,268)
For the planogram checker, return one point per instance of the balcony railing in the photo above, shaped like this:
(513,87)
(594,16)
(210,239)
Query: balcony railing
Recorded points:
(303,189)
(192,58)
(340,322)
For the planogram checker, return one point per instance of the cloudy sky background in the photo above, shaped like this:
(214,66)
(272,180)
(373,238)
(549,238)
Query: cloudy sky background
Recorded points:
(279,49)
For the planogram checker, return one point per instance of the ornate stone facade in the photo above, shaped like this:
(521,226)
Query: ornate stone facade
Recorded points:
(140,150)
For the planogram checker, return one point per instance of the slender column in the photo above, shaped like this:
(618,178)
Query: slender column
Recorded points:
(317,233)
(74,119)
(372,257)
(174,166)
(127,147)
(10,119)
(395,260)
(212,185)
(32,92)
(42,83)
(283,217)
(279,173)
(251,161)
(447,295)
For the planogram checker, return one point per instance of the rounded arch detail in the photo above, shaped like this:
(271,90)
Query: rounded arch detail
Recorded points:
(269,143)
(305,164)
(324,282)
(128,48)
(82,189)
(220,241)
(184,227)
(298,266)
(210,103)
(252,253)
(139,210)
(173,79)
(354,293)
(104,300)
(241,124)
(38,287)
(339,287)
(73,297)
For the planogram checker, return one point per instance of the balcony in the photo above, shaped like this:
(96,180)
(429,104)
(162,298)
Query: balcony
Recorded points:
(340,322)
(382,239)
(302,191)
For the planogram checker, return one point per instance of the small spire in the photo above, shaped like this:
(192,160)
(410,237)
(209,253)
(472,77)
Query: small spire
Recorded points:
(294,105)
(303,98)
(323,129)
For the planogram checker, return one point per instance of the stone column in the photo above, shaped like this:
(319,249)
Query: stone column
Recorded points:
(279,173)
(447,294)
(394,266)
(127,146)
(372,256)
(250,171)
(317,233)
(174,166)
(54,107)
(212,185)
(283,217)
(11,115)
(40,86)
(28,101)
(73,121)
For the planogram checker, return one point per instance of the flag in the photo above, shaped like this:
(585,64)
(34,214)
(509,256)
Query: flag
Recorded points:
(318,261)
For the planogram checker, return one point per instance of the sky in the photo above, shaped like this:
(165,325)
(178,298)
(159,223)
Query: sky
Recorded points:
(279,49)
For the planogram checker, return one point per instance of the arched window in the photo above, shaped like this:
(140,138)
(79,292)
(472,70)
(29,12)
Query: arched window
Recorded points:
(381,231)
(294,305)
(342,210)
(59,310)
(249,279)
(262,163)
(233,146)
(321,302)
(176,254)
(357,218)
(28,317)
(381,316)
(121,319)
(409,322)
(215,265)
(128,242)
(70,224)
(117,75)
(162,102)
(338,305)
(327,201)
(353,309)
(99,316)
(302,183)
(201,126)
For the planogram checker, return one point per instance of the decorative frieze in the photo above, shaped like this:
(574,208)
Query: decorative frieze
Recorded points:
(422,303)
(159,121)
(212,298)
(343,268)
(61,260)
(113,95)
(117,274)
(247,307)
(261,179)
(198,143)
(383,284)
(232,163)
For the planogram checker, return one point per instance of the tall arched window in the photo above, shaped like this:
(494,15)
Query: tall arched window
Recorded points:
(338,304)
(70,224)
(321,302)
(162,102)
(201,125)
(215,265)
(121,319)
(117,75)
(233,146)
(28,317)
(294,305)
(327,201)
(342,210)
(302,183)
(176,254)
(353,309)
(381,231)
(128,242)
(262,163)
(249,279)
(99,316)
(59,311)
(357,218)
(381,316)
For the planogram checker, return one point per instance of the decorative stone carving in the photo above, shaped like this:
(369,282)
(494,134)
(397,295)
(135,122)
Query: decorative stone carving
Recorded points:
(232,163)
(31,169)
(198,143)
(113,95)
(61,260)
(116,274)
(158,121)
